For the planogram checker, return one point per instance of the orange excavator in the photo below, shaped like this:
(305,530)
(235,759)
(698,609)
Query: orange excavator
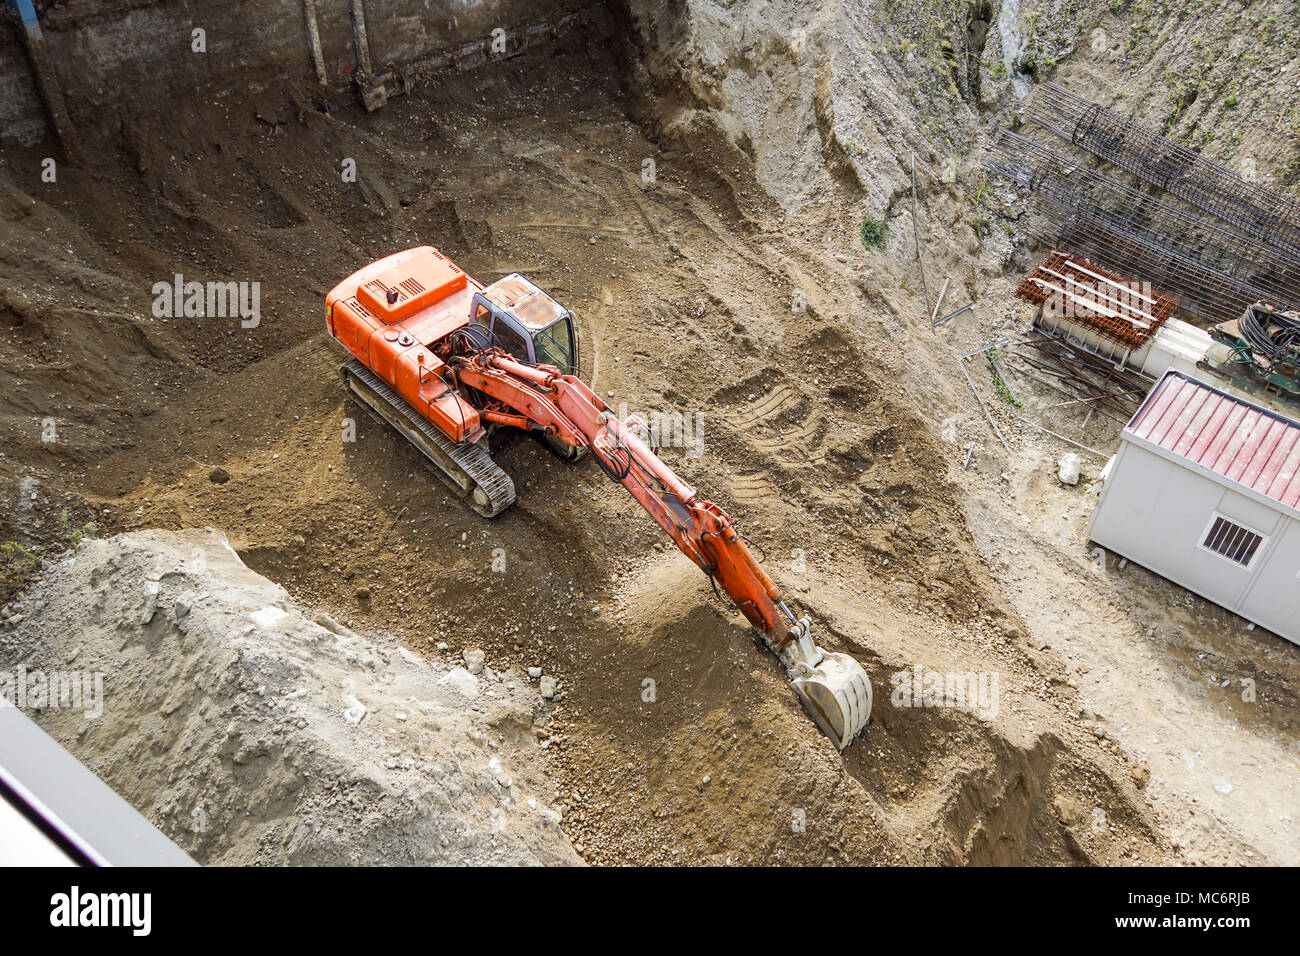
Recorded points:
(446,361)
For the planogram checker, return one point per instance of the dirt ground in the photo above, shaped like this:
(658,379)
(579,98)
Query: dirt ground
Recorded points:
(828,443)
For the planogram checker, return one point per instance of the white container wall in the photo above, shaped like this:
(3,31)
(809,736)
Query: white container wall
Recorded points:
(1204,491)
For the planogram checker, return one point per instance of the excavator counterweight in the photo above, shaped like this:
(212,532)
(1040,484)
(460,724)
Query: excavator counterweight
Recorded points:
(445,361)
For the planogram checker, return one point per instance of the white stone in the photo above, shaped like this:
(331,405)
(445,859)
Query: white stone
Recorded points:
(1068,468)
(461,682)
(268,616)
(355,712)
(151,589)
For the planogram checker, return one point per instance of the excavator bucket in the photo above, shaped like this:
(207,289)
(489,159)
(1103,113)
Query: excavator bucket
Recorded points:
(837,694)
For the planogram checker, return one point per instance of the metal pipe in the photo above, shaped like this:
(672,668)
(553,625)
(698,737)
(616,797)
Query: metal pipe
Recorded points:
(961,362)
(951,315)
(313,41)
(984,348)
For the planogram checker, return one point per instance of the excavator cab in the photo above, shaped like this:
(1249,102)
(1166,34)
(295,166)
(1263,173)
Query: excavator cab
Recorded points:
(529,324)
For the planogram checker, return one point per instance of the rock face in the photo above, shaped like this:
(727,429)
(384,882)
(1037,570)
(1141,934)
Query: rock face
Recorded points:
(806,92)
(251,733)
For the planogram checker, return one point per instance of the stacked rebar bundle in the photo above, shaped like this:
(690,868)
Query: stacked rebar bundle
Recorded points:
(1200,291)
(1110,305)
(1211,268)
(1258,211)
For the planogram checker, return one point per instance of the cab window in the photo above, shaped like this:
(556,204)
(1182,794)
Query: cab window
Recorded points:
(554,346)
(503,336)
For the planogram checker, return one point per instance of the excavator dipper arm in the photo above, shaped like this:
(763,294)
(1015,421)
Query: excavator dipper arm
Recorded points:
(833,687)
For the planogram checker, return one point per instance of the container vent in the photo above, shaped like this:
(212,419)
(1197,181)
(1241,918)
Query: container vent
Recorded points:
(1232,541)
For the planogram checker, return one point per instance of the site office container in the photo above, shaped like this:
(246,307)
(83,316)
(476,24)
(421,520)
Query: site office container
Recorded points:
(1204,491)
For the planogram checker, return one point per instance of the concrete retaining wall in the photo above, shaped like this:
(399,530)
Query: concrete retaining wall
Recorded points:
(21,116)
(107,52)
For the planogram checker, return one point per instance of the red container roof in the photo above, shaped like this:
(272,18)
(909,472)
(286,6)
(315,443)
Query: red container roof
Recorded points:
(1230,436)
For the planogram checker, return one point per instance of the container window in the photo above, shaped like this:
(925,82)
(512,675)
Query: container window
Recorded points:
(1230,540)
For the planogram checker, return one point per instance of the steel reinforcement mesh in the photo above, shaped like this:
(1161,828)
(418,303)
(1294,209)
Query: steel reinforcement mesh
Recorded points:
(1257,210)
(1211,269)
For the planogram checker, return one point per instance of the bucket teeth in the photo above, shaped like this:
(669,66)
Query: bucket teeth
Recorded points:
(837,695)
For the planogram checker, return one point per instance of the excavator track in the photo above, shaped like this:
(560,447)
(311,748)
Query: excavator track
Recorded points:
(465,468)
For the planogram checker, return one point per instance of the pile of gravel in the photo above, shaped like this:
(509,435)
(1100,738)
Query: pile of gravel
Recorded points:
(253,733)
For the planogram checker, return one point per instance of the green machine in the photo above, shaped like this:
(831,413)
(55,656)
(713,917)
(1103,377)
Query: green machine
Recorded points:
(1261,352)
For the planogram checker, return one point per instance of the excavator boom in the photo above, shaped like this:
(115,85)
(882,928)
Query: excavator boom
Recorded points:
(833,687)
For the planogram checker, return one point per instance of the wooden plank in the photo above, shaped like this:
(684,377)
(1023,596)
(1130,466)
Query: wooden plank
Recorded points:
(1111,282)
(939,302)
(1061,275)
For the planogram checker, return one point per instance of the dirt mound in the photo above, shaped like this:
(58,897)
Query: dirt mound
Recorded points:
(253,734)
